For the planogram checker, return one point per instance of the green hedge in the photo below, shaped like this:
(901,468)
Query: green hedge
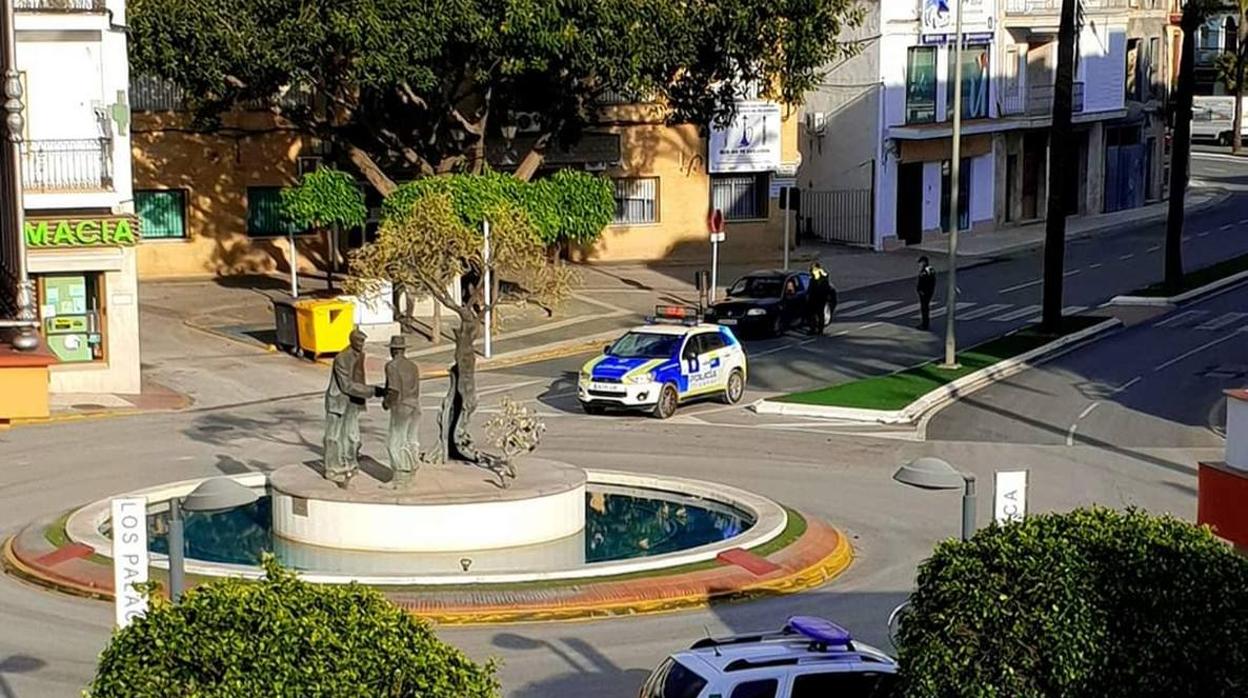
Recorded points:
(568,207)
(232,638)
(1094,603)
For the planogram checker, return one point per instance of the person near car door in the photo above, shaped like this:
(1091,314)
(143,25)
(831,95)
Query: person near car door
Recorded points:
(820,291)
(926,287)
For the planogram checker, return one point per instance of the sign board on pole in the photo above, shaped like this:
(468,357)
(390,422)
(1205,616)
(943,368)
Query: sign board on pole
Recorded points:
(1010,496)
(719,237)
(130,558)
(778,183)
(715,221)
(939,20)
(750,142)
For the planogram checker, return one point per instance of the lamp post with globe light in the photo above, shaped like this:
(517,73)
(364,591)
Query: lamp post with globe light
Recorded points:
(930,473)
(210,496)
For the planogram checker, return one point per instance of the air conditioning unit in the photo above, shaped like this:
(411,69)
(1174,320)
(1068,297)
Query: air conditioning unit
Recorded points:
(528,121)
(816,122)
(308,163)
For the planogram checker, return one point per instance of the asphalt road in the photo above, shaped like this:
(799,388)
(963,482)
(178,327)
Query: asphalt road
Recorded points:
(1158,383)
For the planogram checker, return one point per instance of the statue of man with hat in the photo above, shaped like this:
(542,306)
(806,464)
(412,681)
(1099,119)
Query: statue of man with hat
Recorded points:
(402,400)
(346,396)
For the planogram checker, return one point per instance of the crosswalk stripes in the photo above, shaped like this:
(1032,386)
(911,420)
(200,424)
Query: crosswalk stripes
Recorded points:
(1223,321)
(1183,318)
(1068,310)
(876,307)
(848,304)
(902,311)
(986,310)
(940,312)
(1022,312)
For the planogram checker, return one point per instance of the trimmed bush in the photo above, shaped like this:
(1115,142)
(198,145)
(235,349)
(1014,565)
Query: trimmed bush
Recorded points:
(1094,603)
(283,637)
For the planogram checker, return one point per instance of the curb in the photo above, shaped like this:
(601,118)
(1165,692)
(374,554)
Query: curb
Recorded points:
(809,577)
(941,397)
(1171,301)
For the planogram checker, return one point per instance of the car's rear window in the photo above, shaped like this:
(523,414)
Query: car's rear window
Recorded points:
(673,680)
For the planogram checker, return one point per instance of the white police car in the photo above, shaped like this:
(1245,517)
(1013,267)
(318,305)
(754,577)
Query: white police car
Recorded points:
(808,658)
(672,359)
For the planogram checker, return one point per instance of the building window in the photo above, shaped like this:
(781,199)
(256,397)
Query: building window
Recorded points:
(974,83)
(964,194)
(921,85)
(740,197)
(71,308)
(162,214)
(636,201)
(264,213)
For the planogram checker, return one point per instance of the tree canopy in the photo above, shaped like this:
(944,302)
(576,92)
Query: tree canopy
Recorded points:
(1095,603)
(391,82)
(325,197)
(280,636)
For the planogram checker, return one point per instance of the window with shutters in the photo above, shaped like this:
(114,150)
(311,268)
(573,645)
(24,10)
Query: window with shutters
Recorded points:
(264,213)
(740,197)
(162,214)
(636,200)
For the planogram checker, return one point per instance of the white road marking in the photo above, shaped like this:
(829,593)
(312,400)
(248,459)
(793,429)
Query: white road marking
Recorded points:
(1016,314)
(1222,321)
(1125,257)
(1127,385)
(1202,234)
(875,307)
(1154,248)
(1228,226)
(777,350)
(1095,265)
(1187,238)
(940,312)
(907,310)
(1070,434)
(1183,317)
(1029,284)
(1073,272)
(1243,221)
(1068,310)
(986,310)
(848,304)
(1197,350)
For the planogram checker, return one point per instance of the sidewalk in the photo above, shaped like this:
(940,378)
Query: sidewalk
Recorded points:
(1023,237)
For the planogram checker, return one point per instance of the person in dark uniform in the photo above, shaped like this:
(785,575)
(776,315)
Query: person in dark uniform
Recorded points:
(926,287)
(820,293)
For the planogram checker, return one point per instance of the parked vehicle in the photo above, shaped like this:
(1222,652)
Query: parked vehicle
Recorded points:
(766,303)
(1212,119)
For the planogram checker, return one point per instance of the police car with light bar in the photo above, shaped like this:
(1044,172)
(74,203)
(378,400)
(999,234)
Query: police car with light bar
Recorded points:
(672,359)
(808,658)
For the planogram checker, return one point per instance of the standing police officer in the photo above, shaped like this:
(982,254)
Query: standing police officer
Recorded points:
(820,294)
(926,287)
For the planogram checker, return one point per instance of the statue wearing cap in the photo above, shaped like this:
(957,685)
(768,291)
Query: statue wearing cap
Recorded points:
(346,396)
(402,401)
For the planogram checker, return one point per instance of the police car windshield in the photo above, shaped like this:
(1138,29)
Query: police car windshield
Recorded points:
(757,287)
(645,345)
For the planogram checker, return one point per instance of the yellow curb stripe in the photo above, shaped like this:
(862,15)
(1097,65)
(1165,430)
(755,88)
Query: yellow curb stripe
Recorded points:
(14,566)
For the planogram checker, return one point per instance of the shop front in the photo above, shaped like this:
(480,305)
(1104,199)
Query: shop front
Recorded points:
(83,266)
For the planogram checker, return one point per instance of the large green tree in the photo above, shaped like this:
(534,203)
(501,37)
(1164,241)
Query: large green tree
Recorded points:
(392,83)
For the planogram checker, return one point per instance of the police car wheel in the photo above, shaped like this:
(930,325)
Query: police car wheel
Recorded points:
(668,400)
(735,389)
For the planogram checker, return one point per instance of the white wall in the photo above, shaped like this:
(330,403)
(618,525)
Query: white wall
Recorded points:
(1102,66)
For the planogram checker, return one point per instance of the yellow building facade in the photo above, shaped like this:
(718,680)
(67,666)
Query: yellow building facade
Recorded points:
(207,199)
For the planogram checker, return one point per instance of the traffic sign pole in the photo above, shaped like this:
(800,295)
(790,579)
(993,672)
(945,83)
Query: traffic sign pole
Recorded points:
(715,223)
(786,195)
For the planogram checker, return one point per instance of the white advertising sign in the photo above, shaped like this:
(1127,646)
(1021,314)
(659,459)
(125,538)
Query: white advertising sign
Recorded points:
(1010,496)
(129,523)
(939,21)
(778,183)
(750,143)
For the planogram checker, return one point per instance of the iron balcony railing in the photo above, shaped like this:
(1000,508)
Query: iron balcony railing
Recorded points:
(59,5)
(150,93)
(1037,101)
(1031,7)
(81,164)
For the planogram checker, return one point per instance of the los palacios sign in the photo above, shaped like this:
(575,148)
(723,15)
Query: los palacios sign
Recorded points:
(750,142)
(938,23)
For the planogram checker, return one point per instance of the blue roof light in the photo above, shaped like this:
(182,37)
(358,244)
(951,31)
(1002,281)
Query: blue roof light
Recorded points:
(819,630)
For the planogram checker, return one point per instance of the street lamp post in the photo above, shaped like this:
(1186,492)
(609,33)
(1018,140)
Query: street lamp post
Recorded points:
(955,179)
(217,494)
(26,320)
(935,474)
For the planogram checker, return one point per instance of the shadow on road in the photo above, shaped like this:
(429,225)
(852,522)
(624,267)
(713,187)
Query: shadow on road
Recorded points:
(16,664)
(589,671)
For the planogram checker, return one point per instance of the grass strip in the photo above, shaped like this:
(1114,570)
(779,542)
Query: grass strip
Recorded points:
(897,390)
(1196,279)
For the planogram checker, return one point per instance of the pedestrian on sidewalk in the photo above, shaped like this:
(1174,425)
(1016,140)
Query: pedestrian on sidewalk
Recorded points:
(926,287)
(820,294)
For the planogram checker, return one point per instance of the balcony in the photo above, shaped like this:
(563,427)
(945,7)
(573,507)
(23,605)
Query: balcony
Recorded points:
(59,5)
(1038,101)
(77,165)
(1053,7)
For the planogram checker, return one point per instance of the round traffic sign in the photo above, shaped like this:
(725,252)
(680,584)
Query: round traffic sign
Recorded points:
(715,221)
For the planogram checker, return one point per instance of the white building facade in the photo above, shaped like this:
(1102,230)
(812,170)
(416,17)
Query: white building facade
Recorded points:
(75,164)
(881,125)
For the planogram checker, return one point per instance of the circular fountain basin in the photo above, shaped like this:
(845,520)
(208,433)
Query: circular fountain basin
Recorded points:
(448,508)
(631,523)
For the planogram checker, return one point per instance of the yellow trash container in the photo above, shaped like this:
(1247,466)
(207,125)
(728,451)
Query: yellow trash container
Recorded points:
(324,325)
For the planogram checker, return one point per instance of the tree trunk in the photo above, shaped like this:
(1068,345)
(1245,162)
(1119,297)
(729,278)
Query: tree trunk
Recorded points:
(368,167)
(1059,170)
(1241,40)
(461,396)
(1181,154)
(533,159)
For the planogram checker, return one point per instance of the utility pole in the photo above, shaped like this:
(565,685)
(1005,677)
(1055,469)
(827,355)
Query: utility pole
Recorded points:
(1059,171)
(955,174)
